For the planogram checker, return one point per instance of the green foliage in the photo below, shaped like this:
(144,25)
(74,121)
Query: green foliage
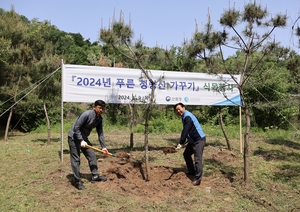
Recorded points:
(270,104)
(230,17)
(161,125)
(29,50)
(117,114)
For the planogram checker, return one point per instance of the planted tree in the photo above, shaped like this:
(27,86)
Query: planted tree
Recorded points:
(119,35)
(247,31)
(203,46)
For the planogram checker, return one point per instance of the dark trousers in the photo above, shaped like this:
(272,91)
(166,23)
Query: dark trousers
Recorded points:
(90,155)
(195,148)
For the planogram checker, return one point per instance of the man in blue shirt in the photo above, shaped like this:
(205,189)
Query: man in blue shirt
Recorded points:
(193,133)
(78,139)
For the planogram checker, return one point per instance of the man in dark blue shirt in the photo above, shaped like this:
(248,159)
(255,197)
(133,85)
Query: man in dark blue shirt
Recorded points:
(78,139)
(193,133)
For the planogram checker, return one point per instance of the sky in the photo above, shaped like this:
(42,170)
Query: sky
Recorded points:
(160,23)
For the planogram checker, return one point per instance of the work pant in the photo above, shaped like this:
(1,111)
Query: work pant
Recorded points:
(195,148)
(90,155)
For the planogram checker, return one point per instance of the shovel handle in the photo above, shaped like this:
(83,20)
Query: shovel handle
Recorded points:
(98,150)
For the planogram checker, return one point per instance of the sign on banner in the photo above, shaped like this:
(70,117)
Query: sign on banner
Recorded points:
(124,85)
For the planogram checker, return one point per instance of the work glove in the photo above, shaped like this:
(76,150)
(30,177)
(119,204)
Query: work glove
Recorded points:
(83,143)
(105,151)
(179,146)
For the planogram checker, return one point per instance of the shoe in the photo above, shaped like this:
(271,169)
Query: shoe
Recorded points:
(79,185)
(196,182)
(98,178)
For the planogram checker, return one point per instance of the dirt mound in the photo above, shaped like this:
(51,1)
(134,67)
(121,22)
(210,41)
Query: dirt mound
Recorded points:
(128,177)
(169,149)
(122,155)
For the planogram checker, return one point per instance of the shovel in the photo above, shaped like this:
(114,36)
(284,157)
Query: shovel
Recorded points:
(98,150)
(169,149)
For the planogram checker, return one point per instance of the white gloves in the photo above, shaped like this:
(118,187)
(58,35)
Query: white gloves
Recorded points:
(179,146)
(83,143)
(105,150)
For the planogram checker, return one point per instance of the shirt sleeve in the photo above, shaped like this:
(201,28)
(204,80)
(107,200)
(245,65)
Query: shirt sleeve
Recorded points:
(78,124)
(99,129)
(187,125)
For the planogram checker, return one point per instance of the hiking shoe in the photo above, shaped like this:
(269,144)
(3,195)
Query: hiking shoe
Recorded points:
(79,185)
(196,182)
(98,178)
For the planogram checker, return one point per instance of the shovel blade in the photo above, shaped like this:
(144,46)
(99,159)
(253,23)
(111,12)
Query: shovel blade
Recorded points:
(169,149)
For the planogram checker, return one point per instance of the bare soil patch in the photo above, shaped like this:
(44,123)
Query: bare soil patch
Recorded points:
(126,176)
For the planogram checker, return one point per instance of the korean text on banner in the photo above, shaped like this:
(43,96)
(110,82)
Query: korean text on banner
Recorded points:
(124,85)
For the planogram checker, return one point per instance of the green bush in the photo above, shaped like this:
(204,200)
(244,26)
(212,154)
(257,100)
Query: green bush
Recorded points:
(161,125)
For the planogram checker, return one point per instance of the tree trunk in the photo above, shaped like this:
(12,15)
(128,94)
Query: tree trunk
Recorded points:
(246,143)
(246,137)
(147,173)
(148,115)
(7,124)
(48,124)
(223,129)
(11,111)
(131,125)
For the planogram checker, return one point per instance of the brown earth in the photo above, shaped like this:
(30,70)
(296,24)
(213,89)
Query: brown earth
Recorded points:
(126,175)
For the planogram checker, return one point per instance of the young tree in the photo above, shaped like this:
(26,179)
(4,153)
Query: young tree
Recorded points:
(202,46)
(251,39)
(251,28)
(119,35)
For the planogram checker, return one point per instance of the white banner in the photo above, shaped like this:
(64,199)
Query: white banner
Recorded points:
(124,85)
